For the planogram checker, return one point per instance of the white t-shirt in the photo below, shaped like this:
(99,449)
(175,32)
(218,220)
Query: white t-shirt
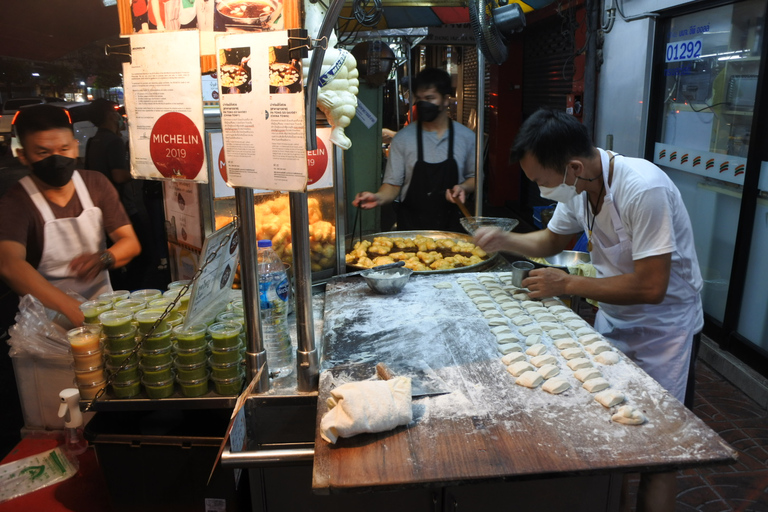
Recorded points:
(652,212)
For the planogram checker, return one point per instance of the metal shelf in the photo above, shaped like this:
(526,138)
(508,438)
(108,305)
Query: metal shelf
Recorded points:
(176,401)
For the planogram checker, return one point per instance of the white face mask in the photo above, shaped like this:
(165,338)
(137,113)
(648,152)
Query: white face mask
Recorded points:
(561,193)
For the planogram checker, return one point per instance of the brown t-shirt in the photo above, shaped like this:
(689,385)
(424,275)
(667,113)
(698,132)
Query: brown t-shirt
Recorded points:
(22,222)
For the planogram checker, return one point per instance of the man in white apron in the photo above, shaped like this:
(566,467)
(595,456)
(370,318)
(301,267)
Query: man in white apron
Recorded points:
(640,239)
(73,254)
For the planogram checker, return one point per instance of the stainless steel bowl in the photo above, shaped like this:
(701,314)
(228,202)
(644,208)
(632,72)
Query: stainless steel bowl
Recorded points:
(472,223)
(565,259)
(387,282)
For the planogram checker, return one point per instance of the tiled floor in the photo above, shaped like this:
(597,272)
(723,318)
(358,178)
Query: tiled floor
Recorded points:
(742,486)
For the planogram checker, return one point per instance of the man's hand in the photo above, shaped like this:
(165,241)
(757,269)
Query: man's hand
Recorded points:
(457,192)
(87,266)
(366,200)
(546,282)
(491,239)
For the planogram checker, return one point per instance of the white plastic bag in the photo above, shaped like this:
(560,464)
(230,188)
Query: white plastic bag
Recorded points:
(35,472)
(38,331)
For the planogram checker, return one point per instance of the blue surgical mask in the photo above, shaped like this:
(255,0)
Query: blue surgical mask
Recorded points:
(561,193)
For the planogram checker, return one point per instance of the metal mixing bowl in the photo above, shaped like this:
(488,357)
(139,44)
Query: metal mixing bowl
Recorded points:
(472,223)
(387,282)
(566,259)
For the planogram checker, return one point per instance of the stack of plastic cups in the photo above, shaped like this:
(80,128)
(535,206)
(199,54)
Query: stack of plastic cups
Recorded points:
(183,300)
(226,357)
(119,342)
(155,355)
(91,310)
(115,296)
(146,295)
(88,360)
(191,359)
(174,318)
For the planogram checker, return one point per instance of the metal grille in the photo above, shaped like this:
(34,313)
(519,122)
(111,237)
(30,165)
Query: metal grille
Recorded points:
(469,90)
(547,66)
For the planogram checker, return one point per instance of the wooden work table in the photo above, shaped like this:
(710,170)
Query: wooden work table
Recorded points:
(487,428)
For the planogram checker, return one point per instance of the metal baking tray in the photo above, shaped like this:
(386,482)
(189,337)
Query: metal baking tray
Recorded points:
(436,235)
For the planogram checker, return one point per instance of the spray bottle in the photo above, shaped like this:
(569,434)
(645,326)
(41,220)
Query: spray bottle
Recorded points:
(69,409)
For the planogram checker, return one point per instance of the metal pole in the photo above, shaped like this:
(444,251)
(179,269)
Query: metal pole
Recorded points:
(255,354)
(479,135)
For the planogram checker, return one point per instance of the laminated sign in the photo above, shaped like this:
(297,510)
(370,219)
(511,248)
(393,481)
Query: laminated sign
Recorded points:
(261,97)
(165,107)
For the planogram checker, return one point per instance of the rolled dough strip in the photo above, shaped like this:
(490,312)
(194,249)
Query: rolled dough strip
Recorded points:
(609,397)
(572,353)
(595,385)
(565,343)
(536,350)
(539,361)
(628,415)
(579,363)
(598,347)
(556,386)
(506,348)
(548,371)
(607,358)
(529,379)
(586,374)
(512,357)
(520,367)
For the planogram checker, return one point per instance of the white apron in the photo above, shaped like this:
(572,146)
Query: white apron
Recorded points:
(65,239)
(658,337)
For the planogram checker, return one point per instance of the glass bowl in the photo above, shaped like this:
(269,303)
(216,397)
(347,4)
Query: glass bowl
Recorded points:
(387,282)
(472,223)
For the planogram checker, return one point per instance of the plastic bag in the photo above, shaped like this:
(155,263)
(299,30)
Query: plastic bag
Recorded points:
(35,472)
(38,331)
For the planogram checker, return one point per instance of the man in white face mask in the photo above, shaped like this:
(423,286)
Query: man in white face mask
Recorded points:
(640,239)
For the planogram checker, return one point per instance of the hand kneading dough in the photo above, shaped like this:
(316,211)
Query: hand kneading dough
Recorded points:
(539,361)
(529,379)
(586,374)
(522,320)
(607,358)
(527,330)
(519,368)
(565,343)
(556,386)
(609,397)
(572,353)
(536,350)
(598,347)
(579,363)
(512,357)
(595,385)
(628,415)
(548,371)
(506,348)
(368,406)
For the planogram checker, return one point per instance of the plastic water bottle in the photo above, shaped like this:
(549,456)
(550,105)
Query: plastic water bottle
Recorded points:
(274,288)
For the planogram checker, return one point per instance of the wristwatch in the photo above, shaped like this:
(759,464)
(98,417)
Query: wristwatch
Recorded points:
(107,260)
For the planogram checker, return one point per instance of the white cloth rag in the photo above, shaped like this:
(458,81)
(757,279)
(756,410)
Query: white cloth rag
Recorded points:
(368,406)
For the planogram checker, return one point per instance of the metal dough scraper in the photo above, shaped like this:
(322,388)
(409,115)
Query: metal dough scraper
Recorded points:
(424,380)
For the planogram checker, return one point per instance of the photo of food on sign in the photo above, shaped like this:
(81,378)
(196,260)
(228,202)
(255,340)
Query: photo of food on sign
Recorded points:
(284,72)
(248,15)
(234,73)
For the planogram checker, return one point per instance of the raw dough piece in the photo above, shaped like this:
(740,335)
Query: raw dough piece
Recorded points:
(549,370)
(536,350)
(483,303)
(486,279)
(579,363)
(529,379)
(527,330)
(466,280)
(512,312)
(485,306)
(595,385)
(522,320)
(598,347)
(549,302)
(574,324)
(589,339)
(586,374)
(492,312)
(544,317)
(628,415)
(497,320)
(535,310)
(512,357)
(530,304)
(445,285)
(559,334)
(474,287)
(549,326)
(521,296)
(607,358)
(506,302)
(556,308)
(556,386)
(499,294)
(532,339)
(520,367)
(572,353)
(564,343)
(539,361)
(505,338)
(583,331)
(476,294)
(501,329)
(609,397)
(506,348)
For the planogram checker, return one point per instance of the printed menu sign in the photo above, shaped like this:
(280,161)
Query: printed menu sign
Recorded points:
(164,105)
(262,111)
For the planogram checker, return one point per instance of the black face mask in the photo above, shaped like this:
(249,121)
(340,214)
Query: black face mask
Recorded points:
(427,111)
(55,170)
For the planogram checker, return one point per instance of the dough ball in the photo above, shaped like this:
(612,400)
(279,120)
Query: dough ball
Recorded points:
(520,367)
(607,358)
(563,343)
(628,415)
(532,339)
(559,334)
(556,386)
(579,363)
(536,350)
(588,339)
(586,374)
(443,286)
(595,385)
(598,347)
(549,370)
(609,397)
(529,379)
(527,330)
(506,348)
(539,361)
(512,357)
(549,326)
(521,320)
(544,316)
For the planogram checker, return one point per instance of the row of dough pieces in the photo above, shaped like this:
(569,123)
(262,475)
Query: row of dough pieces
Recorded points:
(542,366)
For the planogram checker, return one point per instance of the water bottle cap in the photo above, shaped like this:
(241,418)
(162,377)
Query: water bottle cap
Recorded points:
(264,243)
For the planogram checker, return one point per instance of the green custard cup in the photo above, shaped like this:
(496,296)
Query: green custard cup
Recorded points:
(225,355)
(121,343)
(191,371)
(232,386)
(127,389)
(116,322)
(162,303)
(225,370)
(193,387)
(230,316)
(156,357)
(156,373)
(159,389)
(225,334)
(119,357)
(174,319)
(127,374)
(131,305)
(158,341)
(147,294)
(191,337)
(178,285)
(115,296)
(147,319)
(191,356)
(91,309)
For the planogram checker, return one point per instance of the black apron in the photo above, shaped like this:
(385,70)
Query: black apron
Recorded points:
(425,207)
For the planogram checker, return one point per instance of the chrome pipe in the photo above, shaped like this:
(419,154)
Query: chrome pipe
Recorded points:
(479,135)
(265,458)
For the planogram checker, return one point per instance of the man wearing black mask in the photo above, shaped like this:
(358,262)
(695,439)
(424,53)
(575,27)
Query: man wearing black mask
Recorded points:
(54,222)
(431,162)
